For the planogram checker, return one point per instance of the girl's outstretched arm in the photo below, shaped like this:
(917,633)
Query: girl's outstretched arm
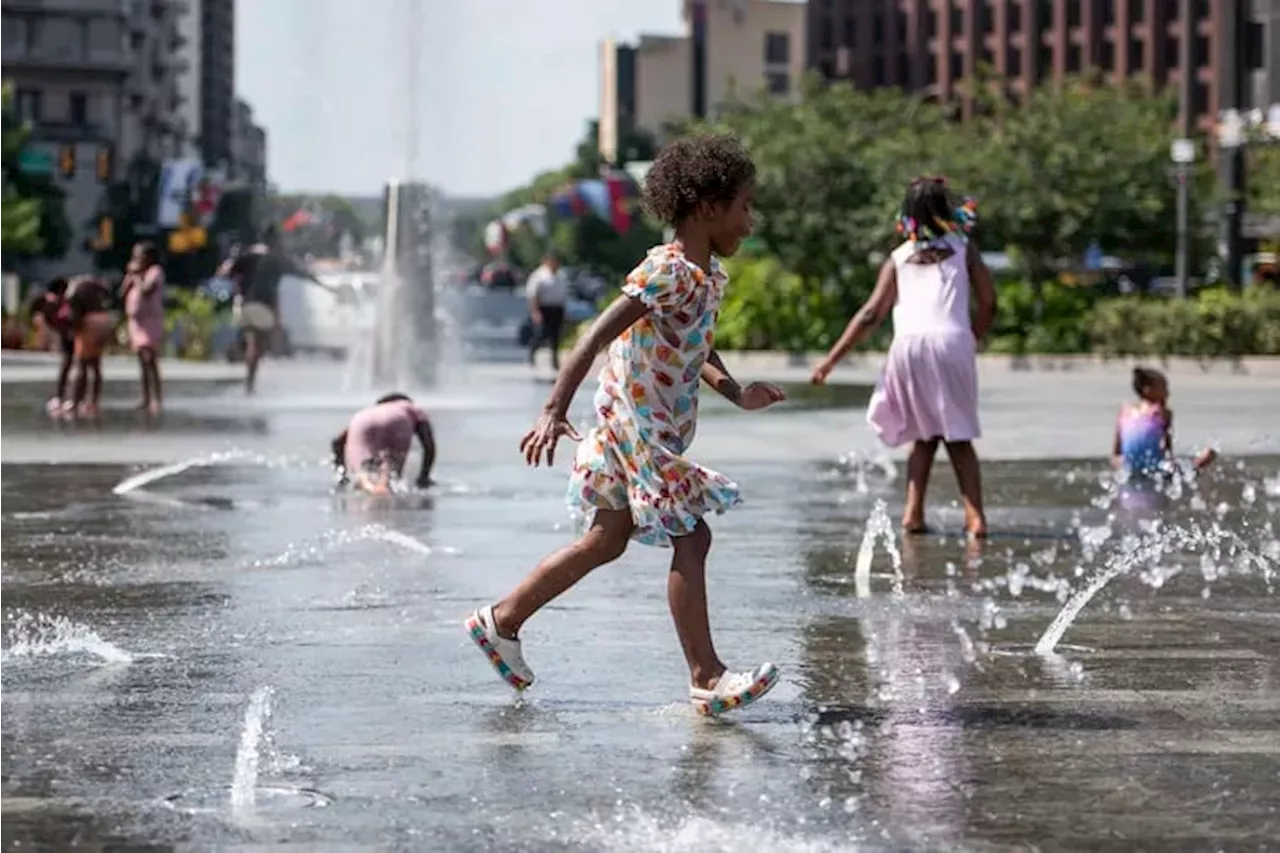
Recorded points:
(756,395)
(866,321)
(621,315)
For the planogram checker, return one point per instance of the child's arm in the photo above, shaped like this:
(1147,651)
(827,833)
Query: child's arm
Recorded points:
(339,448)
(984,293)
(621,315)
(428,440)
(1117,456)
(866,321)
(1200,460)
(757,395)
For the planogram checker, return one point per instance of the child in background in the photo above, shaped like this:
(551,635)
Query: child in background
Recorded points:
(372,450)
(50,309)
(92,327)
(929,390)
(631,477)
(1143,445)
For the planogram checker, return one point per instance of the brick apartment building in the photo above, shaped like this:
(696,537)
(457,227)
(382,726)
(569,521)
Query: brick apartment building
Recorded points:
(933,45)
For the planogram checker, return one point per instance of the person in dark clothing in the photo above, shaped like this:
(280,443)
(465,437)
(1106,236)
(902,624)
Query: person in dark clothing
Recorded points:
(257,272)
(55,315)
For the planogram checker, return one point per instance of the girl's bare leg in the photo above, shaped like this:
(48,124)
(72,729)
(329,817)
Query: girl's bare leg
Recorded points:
(964,460)
(157,392)
(919,465)
(146,380)
(95,388)
(604,542)
(687,597)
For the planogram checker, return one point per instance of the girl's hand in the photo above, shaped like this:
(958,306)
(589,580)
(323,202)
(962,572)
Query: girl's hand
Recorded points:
(759,395)
(821,372)
(543,437)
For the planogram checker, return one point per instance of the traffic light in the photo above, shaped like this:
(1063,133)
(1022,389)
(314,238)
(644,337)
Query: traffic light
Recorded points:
(103,163)
(67,161)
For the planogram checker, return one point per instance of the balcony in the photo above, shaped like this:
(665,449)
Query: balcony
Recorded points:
(106,63)
(66,132)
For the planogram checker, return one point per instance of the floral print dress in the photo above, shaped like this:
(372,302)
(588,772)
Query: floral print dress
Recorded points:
(647,407)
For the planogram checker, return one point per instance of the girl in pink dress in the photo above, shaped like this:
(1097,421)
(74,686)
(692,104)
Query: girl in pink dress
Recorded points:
(144,306)
(929,390)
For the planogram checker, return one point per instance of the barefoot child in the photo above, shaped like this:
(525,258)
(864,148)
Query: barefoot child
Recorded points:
(51,310)
(1143,445)
(631,477)
(92,327)
(373,448)
(929,390)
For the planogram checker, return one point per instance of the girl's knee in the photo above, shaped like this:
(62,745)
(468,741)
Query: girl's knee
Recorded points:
(695,545)
(605,544)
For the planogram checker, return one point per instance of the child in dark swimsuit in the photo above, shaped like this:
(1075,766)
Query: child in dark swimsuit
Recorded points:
(52,311)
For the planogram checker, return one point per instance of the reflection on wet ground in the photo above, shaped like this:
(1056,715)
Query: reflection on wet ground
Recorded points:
(232,656)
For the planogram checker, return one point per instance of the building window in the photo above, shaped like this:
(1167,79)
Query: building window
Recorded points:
(1074,59)
(29,105)
(1044,63)
(777,82)
(957,20)
(931,22)
(904,70)
(1171,50)
(78,107)
(931,69)
(1137,10)
(1108,9)
(1136,55)
(1200,99)
(1014,68)
(987,57)
(1108,58)
(877,29)
(957,66)
(1201,48)
(824,36)
(850,31)
(988,18)
(879,71)
(1073,13)
(1202,8)
(777,49)
(1015,17)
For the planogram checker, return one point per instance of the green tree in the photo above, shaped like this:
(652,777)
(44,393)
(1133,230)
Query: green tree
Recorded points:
(34,221)
(1075,164)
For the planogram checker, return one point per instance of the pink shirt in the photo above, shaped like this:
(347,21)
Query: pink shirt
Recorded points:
(384,431)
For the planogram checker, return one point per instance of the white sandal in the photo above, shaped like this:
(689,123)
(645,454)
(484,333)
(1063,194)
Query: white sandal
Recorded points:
(734,690)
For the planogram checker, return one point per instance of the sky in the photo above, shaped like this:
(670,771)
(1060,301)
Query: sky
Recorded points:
(505,86)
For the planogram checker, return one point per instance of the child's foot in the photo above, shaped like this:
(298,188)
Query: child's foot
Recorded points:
(154,409)
(734,690)
(915,528)
(503,653)
(89,410)
(54,405)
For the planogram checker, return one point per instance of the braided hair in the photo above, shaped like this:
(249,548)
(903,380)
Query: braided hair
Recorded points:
(929,214)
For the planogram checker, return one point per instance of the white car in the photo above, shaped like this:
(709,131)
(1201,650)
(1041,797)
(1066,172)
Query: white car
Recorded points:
(330,316)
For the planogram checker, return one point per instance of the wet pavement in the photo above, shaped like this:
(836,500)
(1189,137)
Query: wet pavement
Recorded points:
(231,657)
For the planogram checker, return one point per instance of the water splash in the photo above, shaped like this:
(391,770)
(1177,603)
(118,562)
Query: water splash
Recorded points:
(1215,544)
(308,552)
(244,783)
(38,635)
(880,528)
(151,475)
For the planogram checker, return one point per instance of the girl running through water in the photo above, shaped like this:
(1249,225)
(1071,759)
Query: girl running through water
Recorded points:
(631,477)
(929,390)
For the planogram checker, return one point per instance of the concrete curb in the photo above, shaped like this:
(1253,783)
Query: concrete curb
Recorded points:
(1261,366)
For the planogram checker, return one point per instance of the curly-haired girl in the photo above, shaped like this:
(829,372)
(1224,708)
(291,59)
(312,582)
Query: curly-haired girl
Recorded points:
(929,390)
(631,478)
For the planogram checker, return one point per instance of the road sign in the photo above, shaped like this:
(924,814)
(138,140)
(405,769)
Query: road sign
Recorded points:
(1182,151)
(35,161)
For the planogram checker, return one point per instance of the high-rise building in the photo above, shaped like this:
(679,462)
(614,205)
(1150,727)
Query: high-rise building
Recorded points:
(248,149)
(729,48)
(931,46)
(98,81)
(217,81)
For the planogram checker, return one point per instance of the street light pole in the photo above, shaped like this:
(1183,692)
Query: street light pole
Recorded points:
(1186,102)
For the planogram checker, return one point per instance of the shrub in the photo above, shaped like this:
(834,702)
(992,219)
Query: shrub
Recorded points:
(1215,324)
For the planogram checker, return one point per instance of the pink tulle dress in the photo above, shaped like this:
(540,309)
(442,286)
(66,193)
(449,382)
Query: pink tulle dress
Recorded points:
(929,388)
(146,310)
